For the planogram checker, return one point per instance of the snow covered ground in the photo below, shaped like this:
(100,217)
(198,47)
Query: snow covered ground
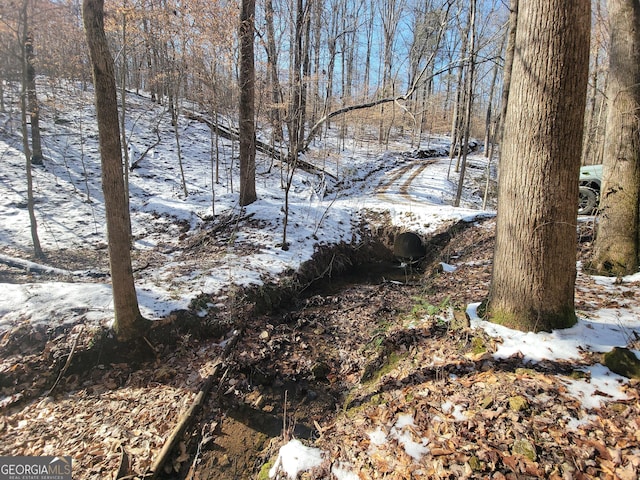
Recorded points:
(70,208)
(70,213)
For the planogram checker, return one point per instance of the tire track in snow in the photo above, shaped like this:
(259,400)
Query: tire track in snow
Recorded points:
(409,173)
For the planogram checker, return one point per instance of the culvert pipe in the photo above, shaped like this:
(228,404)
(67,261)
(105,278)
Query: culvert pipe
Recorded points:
(409,247)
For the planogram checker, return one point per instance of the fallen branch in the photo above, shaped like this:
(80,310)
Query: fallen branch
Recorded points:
(30,266)
(136,163)
(186,418)
(233,134)
(183,423)
(67,363)
(123,469)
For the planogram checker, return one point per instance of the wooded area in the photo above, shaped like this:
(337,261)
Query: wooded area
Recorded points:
(233,226)
(377,69)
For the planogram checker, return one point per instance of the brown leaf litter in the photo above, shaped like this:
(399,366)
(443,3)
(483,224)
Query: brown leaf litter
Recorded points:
(345,369)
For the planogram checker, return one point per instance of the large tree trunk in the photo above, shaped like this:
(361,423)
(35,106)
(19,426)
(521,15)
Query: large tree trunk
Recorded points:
(247,108)
(534,271)
(129,323)
(616,245)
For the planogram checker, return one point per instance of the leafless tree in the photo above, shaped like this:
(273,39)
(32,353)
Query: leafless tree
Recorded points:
(247,108)
(129,322)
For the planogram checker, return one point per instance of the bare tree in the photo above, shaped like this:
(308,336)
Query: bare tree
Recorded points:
(457,117)
(299,67)
(129,322)
(391,12)
(426,22)
(596,102)
(24,108)
(422,77)
(534,268)
(508,66)
(247,108)
(34,107)
(272,74)
(123,110)
(469,81)
(616,245)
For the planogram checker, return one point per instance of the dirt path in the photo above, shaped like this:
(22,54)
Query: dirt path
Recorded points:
(397,189)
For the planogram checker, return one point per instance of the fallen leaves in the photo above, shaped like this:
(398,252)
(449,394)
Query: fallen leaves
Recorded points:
(473,416)
(119,410)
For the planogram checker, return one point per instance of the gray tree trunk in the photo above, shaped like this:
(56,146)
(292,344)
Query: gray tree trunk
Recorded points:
(25,103)
(30,77)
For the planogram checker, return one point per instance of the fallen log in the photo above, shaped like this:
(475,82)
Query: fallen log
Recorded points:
(183,423)
(30,266)
(186,418)
(233,134)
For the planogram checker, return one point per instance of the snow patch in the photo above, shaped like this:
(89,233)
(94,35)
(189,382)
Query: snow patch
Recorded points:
(402,432)
(377,437)
(344,471)
(448,268)
(598,334)
(603,385)
(294,457)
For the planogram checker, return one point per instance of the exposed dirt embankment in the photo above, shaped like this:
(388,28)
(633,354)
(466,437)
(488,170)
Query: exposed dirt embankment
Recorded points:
(329,361)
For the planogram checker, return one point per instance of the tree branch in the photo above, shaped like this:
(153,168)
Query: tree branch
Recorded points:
(418,81)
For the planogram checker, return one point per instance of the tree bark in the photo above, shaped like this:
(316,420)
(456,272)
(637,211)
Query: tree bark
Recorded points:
(27,78)
(247,108)
(534,270)
(37,248)
(123,113)
(456,120)
(469,81)
(34,108)
(129,322)
(508,66)
(298,90)
(272,74)
(616,244)
(489,138)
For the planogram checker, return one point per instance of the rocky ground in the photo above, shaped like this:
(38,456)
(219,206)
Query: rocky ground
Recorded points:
(339,366)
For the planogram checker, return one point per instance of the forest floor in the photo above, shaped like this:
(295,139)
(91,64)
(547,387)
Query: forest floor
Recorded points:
(378,369)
